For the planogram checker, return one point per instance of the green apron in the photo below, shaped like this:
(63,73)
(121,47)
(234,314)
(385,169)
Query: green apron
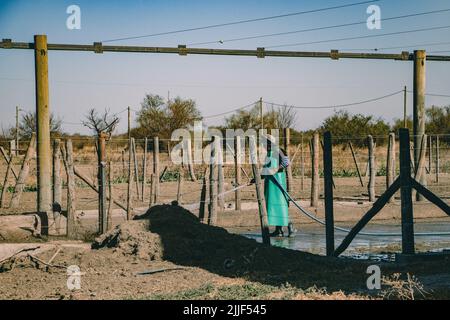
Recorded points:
(276,202)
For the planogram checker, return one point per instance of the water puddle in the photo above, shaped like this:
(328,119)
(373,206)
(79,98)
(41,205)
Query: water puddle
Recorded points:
(311,238)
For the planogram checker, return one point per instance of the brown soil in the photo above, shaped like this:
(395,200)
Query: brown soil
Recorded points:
(202,262)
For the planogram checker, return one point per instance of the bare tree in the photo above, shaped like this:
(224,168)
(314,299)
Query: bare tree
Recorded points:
(28,125)
(104,123)
(286,117)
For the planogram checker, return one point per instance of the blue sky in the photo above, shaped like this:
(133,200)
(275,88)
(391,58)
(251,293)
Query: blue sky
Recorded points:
(80,81)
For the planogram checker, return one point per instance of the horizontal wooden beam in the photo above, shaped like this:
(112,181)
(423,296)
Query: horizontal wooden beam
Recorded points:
(98,47)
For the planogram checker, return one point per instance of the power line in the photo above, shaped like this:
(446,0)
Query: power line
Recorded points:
(243,21)
(434,94)
(317,28)
(401,47)
(359,37)
(338,105)
(231,111)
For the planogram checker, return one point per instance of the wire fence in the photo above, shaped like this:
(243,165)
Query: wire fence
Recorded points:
(350,171)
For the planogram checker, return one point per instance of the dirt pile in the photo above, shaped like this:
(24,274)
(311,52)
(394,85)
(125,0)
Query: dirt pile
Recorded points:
(132,238)
(172,233)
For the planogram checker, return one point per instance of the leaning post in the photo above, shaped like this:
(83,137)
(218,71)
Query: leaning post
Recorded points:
(259,192)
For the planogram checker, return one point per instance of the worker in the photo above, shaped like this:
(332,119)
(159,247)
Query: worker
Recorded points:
(276,199)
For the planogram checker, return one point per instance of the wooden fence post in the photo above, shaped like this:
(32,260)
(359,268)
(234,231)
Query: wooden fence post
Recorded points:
(390,163)
(220,181)
(212,218)
(328,179)
(237,171)
(189,160)
(356,164)
(315,170)
(71,196)
(287,142)
(259,192)
(136,170)
(156,169)
(437,164)
(23,174)
(111,196)
(302,165)
(7,160)
(124,171)
(152,183)
(56,171)
(372,170)
(406,195)
(102,218)
(44,161)
(144,170)
(5,182)
(430,153)
(130,180)
(202,211)
(179,186)
(420,174)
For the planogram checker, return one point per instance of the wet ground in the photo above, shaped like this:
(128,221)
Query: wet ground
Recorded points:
(311,238)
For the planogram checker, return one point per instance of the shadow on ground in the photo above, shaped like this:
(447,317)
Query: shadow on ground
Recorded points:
(187,242)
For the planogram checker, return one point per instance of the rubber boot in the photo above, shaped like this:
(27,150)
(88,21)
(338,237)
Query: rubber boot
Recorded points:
(291,229)
(278,232)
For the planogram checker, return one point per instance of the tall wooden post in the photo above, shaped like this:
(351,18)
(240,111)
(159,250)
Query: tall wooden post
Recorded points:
(237,172)
(212,218)
(44,163)
(71,196)
(287,142)
(390,162)
(156,169)
(328,179)
(144,170)
(406,197)
(437,159)
(259,192)
(372,170)
(102,219)
(315,170)
(419,109)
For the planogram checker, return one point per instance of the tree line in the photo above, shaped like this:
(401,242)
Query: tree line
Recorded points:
(160,117)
